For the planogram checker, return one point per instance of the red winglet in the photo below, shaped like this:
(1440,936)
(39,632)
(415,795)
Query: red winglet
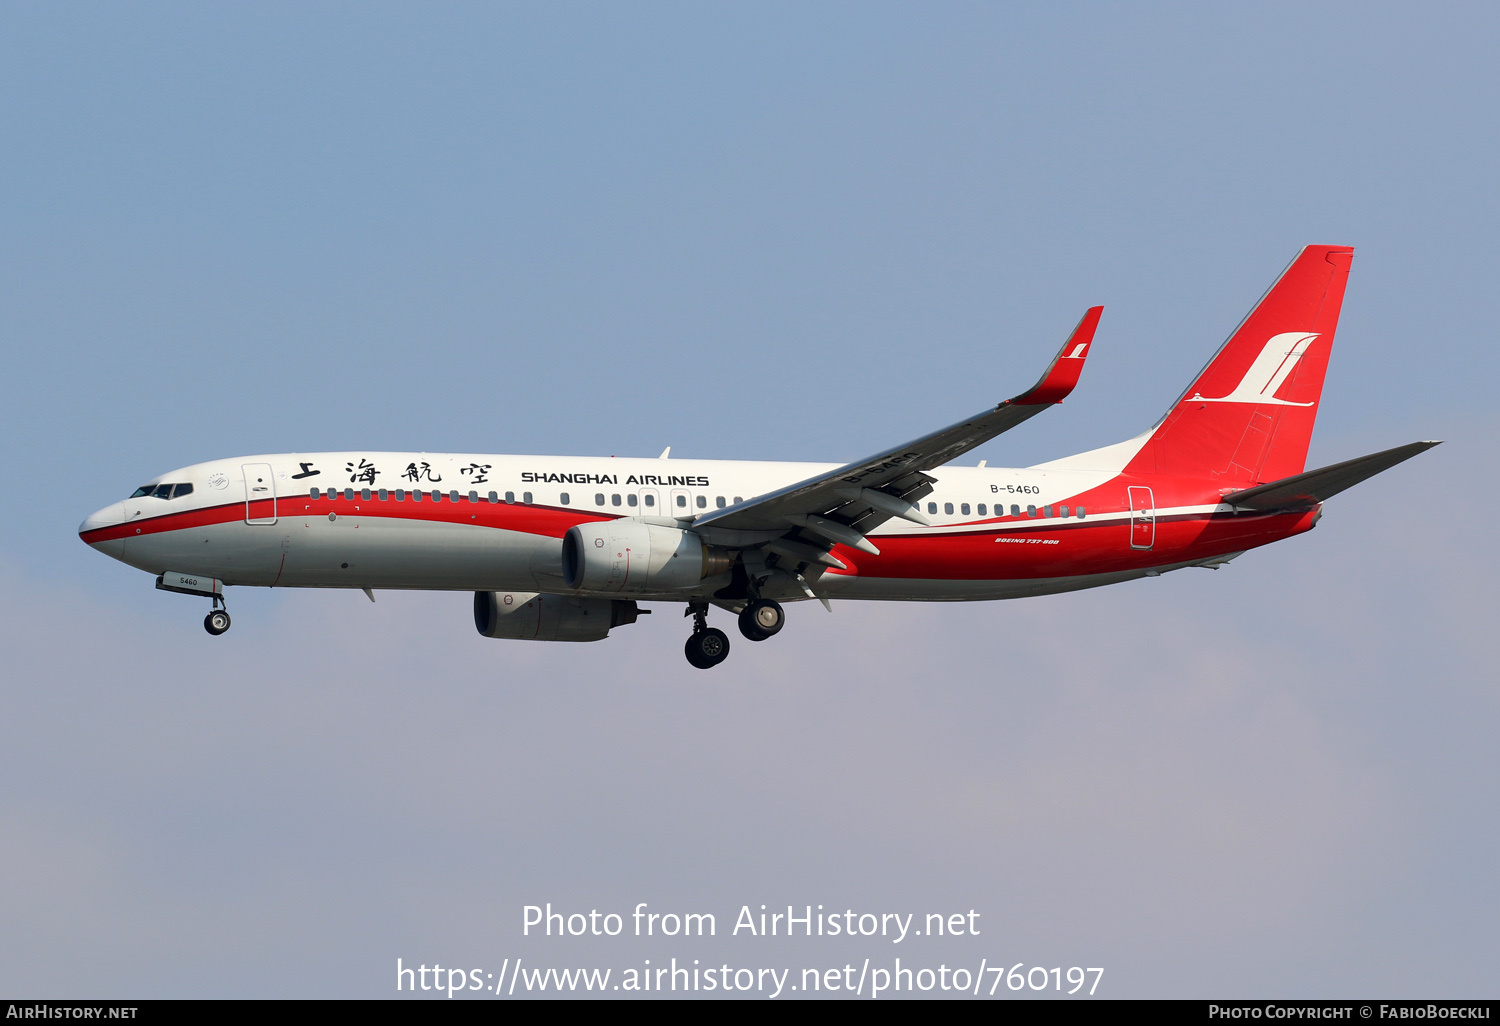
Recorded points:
(1062,374)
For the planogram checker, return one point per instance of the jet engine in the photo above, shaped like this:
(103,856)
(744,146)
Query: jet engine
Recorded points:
(526,616)
(614,556)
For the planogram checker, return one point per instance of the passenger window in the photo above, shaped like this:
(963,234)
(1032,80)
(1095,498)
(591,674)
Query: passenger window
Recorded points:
(493,498)
(598,498)
(416,496)
(948,508)
(932,507)
(982,508)
(1062,511)
(1015,510)
(436,496)
(703,502)
(630,499)
(1047,510)
(1080,513)
(182,489)
(400,494)
(1031,511)
(384,495)
(650,500)
(473,496)
(614,500)
(681,501)
(719,502)
(526,498)
(565,499)
(510,497)
(315,494)
(349,494)
(964,509)
(738,500)
(364,494)
(453,495)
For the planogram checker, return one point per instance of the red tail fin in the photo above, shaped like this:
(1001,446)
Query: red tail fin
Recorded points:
(1248,417)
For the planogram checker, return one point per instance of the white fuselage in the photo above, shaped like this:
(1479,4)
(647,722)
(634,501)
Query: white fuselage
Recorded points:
(468,522)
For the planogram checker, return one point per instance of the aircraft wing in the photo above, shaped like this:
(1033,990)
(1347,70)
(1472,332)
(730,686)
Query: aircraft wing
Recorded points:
(843,505)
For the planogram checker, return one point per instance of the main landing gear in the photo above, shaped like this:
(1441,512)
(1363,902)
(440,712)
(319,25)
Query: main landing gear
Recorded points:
(707,646)
(761,619)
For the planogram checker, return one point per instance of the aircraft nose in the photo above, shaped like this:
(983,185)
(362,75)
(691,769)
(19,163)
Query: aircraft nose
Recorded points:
(109,516)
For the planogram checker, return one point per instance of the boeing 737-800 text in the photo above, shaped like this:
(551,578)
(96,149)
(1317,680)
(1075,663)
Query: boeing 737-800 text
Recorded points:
(565,548)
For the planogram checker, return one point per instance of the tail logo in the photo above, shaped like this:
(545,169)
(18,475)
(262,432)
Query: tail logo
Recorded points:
(1277,359)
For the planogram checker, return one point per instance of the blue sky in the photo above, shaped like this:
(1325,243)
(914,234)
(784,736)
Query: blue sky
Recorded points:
(745,231)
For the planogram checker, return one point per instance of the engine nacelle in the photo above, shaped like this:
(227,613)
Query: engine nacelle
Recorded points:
(614,556)
(525,616)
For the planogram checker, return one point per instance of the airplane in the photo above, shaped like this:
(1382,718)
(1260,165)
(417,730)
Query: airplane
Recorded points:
(566,548)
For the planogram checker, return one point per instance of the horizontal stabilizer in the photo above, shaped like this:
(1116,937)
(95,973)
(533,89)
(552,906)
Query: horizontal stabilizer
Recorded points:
(1316,485)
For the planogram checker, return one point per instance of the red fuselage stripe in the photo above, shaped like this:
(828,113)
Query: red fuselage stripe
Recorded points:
(1024,549)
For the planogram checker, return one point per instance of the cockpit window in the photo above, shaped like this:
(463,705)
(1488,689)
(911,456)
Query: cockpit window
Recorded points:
(163,491)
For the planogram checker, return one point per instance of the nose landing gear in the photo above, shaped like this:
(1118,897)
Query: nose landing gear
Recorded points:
(217,620)
(707,646)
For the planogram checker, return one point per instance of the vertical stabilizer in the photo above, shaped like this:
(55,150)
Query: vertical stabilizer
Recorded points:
(1248,417)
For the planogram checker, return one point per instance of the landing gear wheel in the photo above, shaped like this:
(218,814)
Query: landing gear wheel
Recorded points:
(761,619)
(707,648)
(217,622)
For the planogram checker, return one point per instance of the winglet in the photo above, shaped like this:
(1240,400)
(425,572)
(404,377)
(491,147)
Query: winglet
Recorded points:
(1062,374)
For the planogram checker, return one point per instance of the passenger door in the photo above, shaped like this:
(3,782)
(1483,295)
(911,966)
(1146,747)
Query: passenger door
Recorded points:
(260,493)
(1142,518)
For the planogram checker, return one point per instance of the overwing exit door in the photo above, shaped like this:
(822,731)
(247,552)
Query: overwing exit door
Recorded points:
(260,493)
(1142,518)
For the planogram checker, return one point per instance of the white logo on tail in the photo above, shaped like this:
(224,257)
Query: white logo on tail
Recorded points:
(1271,368)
